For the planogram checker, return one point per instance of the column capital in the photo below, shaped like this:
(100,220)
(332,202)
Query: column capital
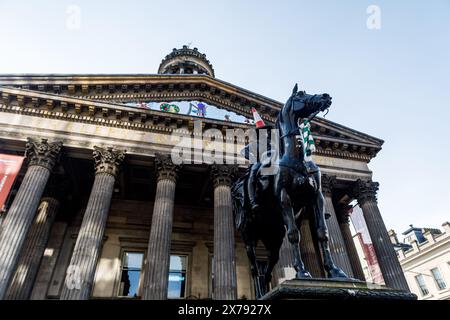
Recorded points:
(107,160)
(223,174)
(365,190)
(165,168)
(328,183)
(42,153)
(343,213)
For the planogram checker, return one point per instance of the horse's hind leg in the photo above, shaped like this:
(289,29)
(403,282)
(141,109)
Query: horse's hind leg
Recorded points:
(273,243)
(293,233)
(274,256)
(256,275)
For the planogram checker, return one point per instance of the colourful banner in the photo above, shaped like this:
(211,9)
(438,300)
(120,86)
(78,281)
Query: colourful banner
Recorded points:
(191,108)
(370,256)
(9,168)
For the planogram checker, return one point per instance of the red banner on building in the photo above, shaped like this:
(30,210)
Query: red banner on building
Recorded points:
(370,256)
(9,168)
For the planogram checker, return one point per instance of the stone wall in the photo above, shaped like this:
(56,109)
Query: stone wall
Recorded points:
(128,228)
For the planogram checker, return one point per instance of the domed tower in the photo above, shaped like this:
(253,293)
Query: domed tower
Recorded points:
(186,61)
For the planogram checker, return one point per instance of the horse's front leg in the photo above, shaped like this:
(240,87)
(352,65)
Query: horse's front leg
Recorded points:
(293,233)
(322,234)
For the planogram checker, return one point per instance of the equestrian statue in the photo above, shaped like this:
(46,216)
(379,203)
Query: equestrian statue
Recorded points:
(281,187)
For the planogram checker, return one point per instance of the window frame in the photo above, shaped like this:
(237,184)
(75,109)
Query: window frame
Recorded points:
(187,288)
(424,291)
(437,281)
(124,250)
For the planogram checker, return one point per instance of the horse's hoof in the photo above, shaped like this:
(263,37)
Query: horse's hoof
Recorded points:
(336,272)
(302,274)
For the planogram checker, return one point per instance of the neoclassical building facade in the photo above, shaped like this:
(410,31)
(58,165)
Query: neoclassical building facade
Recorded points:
(99,210)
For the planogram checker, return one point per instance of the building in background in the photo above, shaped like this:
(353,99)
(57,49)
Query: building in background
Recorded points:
(425,259)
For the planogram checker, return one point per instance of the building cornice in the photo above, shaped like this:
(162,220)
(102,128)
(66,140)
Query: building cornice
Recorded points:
(413,256)
(77,109)
(122,88)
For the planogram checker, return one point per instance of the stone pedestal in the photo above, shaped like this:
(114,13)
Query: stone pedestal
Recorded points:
(42,157)
(81,271)
(30,259)
(326,289)
(365,192)
(225,287)
(158,255)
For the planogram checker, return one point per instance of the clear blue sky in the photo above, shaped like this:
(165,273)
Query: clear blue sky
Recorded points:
(392,83)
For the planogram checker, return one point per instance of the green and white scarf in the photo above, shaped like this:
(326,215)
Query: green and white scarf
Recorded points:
(308,141)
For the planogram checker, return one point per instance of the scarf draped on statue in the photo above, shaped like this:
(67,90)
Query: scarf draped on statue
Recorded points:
(308,141)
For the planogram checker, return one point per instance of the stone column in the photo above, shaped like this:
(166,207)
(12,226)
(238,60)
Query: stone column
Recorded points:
(365,192)
(158,254)
(310,252)
(49,261)
(225,287)
(30,259)
(80,274)
(284,269)
(344,223)
(42,157)
(336,241)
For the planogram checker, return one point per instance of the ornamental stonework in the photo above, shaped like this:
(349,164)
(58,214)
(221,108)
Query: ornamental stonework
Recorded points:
(223,174)
(108,160)
(165,168)
(328,183)
(343,213)
(42,153)
(365,190)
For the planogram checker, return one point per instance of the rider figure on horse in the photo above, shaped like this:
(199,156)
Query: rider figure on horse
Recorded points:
(251,152)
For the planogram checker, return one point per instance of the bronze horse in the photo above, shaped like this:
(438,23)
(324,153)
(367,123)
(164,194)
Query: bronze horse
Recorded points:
(294,187)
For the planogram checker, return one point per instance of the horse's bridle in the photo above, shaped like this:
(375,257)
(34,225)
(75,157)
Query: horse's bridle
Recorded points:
(296,131)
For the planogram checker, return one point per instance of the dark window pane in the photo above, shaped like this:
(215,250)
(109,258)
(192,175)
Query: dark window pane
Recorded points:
(130,283)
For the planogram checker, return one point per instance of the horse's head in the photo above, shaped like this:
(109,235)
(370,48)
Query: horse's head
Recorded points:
(304,105)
